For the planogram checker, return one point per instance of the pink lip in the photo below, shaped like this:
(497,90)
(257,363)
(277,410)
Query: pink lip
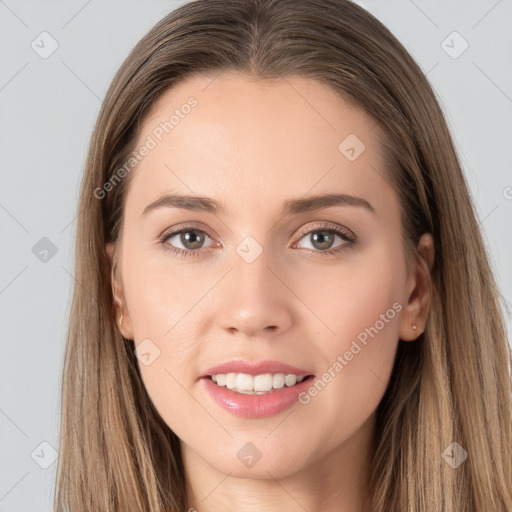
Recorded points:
(255,406)
(255,368)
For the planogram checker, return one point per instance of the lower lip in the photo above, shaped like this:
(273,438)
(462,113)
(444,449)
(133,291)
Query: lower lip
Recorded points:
(256,406)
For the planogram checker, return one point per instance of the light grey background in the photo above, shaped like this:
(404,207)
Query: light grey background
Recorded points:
(47,111)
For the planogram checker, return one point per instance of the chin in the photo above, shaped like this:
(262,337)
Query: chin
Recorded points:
(250,462)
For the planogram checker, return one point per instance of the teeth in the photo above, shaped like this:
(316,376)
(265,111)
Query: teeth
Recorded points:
(258,384)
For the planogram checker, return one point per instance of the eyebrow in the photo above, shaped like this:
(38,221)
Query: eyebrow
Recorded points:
(290,206)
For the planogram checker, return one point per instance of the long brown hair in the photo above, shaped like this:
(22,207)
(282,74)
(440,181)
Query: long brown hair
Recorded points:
(452,385)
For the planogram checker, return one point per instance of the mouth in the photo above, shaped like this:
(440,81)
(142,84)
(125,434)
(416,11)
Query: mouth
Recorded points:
(257,396)
(257,384)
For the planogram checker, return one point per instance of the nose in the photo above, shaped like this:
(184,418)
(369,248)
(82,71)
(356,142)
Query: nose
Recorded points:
(254,301)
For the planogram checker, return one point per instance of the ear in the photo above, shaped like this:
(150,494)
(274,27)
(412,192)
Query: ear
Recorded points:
(417,292)
(119,300)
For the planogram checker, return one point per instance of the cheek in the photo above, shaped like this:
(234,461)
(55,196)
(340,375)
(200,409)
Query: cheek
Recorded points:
(165,309)
(361,305)
(159,292)
(354,296)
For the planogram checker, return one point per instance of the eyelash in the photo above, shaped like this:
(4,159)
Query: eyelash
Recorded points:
(346,235)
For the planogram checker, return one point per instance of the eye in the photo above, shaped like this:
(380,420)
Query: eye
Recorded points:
(322,237)
(190,238)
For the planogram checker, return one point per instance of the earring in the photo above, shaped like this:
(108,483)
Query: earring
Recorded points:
(121,320)
(413,326)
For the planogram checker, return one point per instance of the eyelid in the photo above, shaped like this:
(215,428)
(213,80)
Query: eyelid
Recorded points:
(327,225)
(184,226)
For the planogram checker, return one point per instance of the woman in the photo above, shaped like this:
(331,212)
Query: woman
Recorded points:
(284,301)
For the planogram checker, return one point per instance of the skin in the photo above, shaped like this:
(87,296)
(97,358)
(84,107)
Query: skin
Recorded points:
(251,145)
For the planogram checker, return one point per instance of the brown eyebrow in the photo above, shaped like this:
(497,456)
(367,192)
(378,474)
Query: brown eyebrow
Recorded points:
(324,201)
(291,206)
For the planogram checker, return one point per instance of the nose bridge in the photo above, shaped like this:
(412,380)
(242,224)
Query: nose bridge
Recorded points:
(253,298)
(251,272)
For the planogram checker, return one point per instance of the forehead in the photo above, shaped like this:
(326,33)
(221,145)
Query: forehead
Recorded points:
(236,137)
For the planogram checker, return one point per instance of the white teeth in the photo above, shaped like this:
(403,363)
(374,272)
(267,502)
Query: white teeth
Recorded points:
(290,380)
(231,380)
(278,380)
(258,384)
(244,382)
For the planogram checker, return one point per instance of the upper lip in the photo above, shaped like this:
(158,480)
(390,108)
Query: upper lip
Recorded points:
(255,368)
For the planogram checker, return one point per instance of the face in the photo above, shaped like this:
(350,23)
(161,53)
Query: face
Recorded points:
(269,275)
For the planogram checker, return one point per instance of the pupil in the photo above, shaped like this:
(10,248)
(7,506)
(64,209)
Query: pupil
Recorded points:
(324,239)
(192,237)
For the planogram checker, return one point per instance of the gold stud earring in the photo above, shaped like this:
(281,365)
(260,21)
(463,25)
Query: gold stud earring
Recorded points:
(413,326)
(121,320)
